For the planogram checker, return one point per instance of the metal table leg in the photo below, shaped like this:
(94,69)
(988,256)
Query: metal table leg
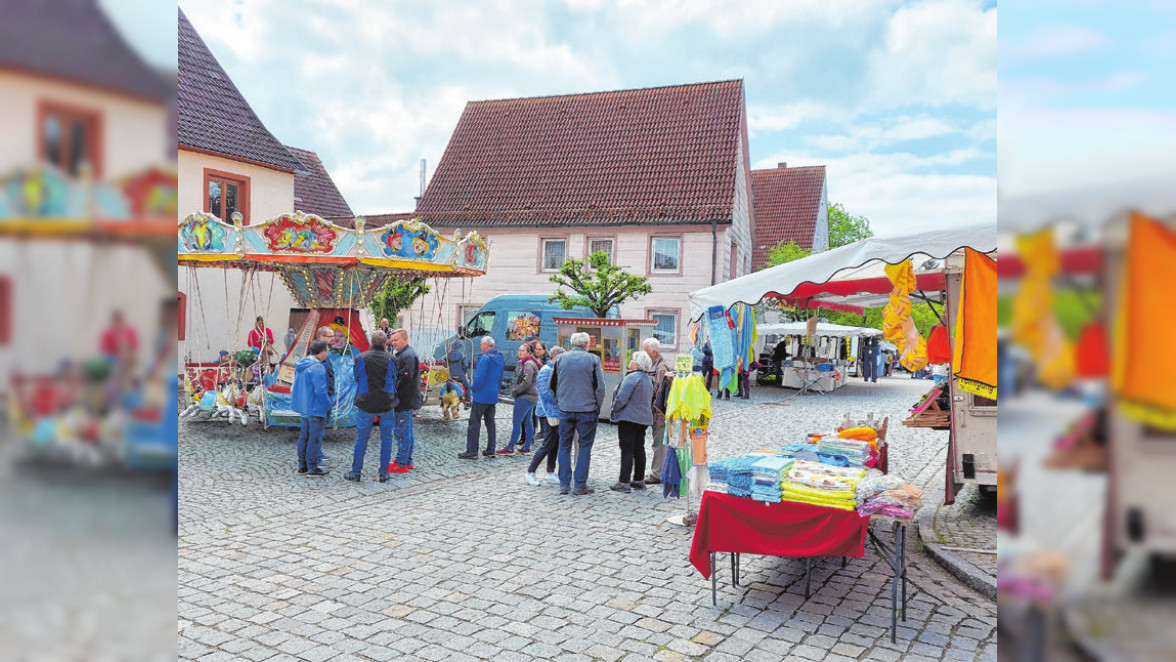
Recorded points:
(734,569)
(714,581)
(902,563)
(808,574)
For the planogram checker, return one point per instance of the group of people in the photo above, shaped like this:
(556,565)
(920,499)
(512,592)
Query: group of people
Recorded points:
(387,393)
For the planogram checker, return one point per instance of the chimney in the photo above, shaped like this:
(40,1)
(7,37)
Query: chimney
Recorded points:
(782,165)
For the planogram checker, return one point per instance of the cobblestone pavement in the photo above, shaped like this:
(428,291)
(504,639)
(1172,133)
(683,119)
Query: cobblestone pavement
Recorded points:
(461,560)
(967,528)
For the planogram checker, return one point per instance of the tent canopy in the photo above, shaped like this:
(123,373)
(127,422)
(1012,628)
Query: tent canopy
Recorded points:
(854,269)
(823,329)
(1089,206)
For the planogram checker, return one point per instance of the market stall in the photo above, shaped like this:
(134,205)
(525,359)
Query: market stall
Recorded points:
(613,341)
(823,363)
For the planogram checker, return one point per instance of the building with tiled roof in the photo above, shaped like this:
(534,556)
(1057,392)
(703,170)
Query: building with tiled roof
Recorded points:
(314,190)
(791,205)
(657,177)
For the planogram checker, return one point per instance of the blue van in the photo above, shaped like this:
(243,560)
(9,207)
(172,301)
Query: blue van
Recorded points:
(511,320)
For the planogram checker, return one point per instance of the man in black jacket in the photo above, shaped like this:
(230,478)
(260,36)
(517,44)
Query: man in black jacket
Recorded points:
(408,393)
(375,395)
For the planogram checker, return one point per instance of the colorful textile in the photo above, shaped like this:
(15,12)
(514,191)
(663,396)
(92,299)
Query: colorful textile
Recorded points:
(729,524)
(688,399)
(722,341)
(829,498)
(1142,366)
(1035,325)
(938,345)
(1092,355)
(897,324)
(975,333)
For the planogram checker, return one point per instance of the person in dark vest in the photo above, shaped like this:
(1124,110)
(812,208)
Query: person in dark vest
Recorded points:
(375,396)
(408,394)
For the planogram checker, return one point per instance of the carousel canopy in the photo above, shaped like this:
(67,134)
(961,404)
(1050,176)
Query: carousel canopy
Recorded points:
(323,264)
(847,271)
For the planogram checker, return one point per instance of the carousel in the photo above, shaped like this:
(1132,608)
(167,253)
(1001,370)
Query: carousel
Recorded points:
(332,271)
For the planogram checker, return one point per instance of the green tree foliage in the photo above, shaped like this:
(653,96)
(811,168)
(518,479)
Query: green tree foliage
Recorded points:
(845,229)
(785,252)
(600,287)
(920,312)
(398,293)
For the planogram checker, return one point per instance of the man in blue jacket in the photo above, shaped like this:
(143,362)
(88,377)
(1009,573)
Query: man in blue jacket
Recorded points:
(309,398)
(484,392)
(375,395)
(578,385)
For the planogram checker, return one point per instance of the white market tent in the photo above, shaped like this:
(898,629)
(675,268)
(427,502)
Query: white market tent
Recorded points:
(823,329)
(1089,206)
(854,262)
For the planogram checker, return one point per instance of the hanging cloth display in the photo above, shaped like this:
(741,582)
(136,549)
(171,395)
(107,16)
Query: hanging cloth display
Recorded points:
(1142,369)
(938,345)
(1091,355)
(1035,325)
(671,476)
(722,344)
(745,333)
(897,324)
(975,335)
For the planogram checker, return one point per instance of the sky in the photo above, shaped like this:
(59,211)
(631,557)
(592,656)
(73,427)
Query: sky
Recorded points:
(897,99)
(1086,94)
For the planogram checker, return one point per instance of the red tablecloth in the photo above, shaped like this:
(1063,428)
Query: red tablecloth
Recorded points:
(735,524)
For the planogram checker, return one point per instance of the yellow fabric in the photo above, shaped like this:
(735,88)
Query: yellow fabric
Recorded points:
(974,354)
(1035,325)
(688,399)
(1141,366)
(897,324)
(843,499)
(860,434)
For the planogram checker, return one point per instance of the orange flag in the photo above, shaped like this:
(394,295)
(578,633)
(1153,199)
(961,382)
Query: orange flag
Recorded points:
(974,355)
(1141,365)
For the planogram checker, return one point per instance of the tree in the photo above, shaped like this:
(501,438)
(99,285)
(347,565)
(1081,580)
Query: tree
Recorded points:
(845,229)
(398,293)
(921,313)
(600,288)
(785,252)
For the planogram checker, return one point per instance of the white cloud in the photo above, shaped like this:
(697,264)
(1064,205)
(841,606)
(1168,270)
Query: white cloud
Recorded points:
(245,28)
(1054,42)
(936,53)
(867,137)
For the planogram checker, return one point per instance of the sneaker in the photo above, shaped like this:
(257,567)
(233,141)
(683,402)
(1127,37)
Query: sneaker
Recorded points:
(524,451)
(505,451)
(652,480)
(619,487)
(351,477)
(318,472)
(489,454)
(637,484)
(553,479)
(384,478)
(302,470)
(467,456)
(398,468)
(532,480)
(582,491)
(564,490)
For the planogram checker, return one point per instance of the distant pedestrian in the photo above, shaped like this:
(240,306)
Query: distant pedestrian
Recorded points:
(375,396)
(408,395)
(525,395)
(708,364)
(309,398)
(578,384)
(660,378)
(632,410)
(549,414)
(484,393)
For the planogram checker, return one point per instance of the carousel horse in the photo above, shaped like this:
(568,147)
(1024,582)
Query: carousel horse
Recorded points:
(228,402)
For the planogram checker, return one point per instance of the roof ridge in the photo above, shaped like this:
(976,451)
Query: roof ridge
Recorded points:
(585,94)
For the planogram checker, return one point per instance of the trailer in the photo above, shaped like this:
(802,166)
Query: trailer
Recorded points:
(613,341)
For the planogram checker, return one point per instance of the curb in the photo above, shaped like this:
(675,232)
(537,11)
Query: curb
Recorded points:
(966,572)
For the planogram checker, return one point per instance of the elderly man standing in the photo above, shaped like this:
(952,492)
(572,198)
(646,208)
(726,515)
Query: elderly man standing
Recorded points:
(659,375)
(484,393)
(408,392)
(375,395)
(578,385)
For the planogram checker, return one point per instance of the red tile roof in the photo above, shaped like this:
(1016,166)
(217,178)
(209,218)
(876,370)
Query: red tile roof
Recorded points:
(654,155)
(787,204)
(314,190)
(73,39)
(212,115)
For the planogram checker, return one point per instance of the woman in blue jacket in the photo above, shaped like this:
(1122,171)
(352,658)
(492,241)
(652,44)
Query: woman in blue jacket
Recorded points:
(632,410)
(548,411)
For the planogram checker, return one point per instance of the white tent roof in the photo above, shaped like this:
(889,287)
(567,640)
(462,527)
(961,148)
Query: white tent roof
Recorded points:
(823,329)
(1088,207)
(857,260)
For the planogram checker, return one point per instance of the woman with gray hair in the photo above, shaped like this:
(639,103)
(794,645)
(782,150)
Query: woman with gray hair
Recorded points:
(633,413)
(548,413)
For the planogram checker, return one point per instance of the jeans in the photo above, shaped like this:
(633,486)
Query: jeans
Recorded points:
(572,423)
(404,437)
(632,438)
(659,447)
(478,413)
(310,441)
(363,432)
(523,424)
(549,449)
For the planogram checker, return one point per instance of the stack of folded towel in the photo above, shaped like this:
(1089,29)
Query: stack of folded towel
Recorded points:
(766,476)
(888,496)
(856,452)
(821,485)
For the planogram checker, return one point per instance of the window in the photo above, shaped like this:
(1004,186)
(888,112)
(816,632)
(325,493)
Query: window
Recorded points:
(466,313)
(225,194)
(664,255)
(70,137)
(666,330)
(605,245)
(481,325)
(5,310)
(555,253)
(182,316)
